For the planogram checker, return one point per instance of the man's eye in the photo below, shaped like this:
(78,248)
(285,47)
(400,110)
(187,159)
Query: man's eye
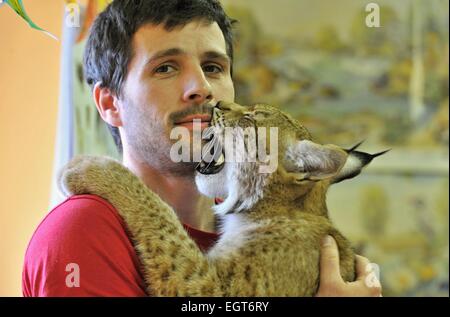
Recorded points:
(164,69)
(212,68)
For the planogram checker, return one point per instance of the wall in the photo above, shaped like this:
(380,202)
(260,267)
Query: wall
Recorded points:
(29,85)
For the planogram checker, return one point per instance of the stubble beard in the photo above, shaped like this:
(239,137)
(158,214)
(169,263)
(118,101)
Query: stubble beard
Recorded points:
(149,139)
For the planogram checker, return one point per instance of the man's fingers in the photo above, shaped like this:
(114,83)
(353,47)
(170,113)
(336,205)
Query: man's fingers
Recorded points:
(367,279)
(331,282)
(362,265)
(361,289)
(330,272)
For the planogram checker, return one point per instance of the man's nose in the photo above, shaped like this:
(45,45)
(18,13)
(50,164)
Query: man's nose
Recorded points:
(197,90)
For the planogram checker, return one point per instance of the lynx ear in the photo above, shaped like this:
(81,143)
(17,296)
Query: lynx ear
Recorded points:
(308,161)
(354,164)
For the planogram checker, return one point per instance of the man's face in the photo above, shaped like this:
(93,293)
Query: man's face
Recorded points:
(172,75)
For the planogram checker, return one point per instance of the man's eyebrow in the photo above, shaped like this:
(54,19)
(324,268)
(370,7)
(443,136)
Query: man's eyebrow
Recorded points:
(165,53)
(216,55)
(178,51)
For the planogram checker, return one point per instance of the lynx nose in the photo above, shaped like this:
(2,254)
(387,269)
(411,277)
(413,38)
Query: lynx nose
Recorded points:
(224,106)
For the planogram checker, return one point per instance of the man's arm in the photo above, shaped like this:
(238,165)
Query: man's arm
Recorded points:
(331,282)
(81,249)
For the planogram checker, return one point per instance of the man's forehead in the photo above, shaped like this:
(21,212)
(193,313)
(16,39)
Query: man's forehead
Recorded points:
(198,35)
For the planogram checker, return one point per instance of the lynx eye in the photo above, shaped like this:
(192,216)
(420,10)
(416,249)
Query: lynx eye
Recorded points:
(261,115)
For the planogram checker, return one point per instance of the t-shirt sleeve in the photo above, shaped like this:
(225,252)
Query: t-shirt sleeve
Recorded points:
(82,249)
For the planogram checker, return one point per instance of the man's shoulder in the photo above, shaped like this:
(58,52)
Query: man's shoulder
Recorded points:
(88,231)
(78,219)
(79,205)
(81,212)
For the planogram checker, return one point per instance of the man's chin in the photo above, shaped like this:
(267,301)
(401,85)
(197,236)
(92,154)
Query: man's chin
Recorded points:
(187,152)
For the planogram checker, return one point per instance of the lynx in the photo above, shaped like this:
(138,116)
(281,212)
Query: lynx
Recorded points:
(272,224)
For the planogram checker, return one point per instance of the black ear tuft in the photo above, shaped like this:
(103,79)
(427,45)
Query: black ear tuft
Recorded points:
(354,147)
(356,161)
(366,158)
(379,154)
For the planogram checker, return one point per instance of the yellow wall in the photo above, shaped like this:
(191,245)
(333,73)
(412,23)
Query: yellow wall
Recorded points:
(29,86)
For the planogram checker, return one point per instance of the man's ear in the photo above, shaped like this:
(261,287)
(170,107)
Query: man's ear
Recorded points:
(308,161)
(107,105)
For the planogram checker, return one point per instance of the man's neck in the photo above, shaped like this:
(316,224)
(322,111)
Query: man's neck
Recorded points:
(178,192)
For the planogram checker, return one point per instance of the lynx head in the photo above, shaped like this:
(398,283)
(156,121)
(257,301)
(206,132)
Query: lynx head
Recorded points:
(261,152)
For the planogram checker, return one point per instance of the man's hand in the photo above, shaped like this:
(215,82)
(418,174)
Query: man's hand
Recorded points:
(331,282)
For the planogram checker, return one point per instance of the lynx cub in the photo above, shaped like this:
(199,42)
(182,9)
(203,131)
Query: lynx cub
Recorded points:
(272,223)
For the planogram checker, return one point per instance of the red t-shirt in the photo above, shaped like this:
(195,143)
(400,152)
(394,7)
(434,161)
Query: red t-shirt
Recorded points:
(81,248)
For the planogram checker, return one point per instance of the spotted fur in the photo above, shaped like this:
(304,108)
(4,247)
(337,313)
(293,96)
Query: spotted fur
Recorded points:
(272,224)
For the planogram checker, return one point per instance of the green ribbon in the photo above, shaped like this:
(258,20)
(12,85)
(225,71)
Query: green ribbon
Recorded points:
(18,7)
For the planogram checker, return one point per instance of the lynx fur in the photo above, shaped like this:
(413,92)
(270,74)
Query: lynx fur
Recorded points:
(272,223)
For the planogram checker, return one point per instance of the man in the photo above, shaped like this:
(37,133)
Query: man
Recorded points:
(153,65)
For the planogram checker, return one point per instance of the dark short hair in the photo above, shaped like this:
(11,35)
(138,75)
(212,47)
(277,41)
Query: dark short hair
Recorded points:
(108,49)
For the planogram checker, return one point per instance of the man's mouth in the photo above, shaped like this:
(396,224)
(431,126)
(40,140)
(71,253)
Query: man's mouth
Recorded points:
(202,120)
